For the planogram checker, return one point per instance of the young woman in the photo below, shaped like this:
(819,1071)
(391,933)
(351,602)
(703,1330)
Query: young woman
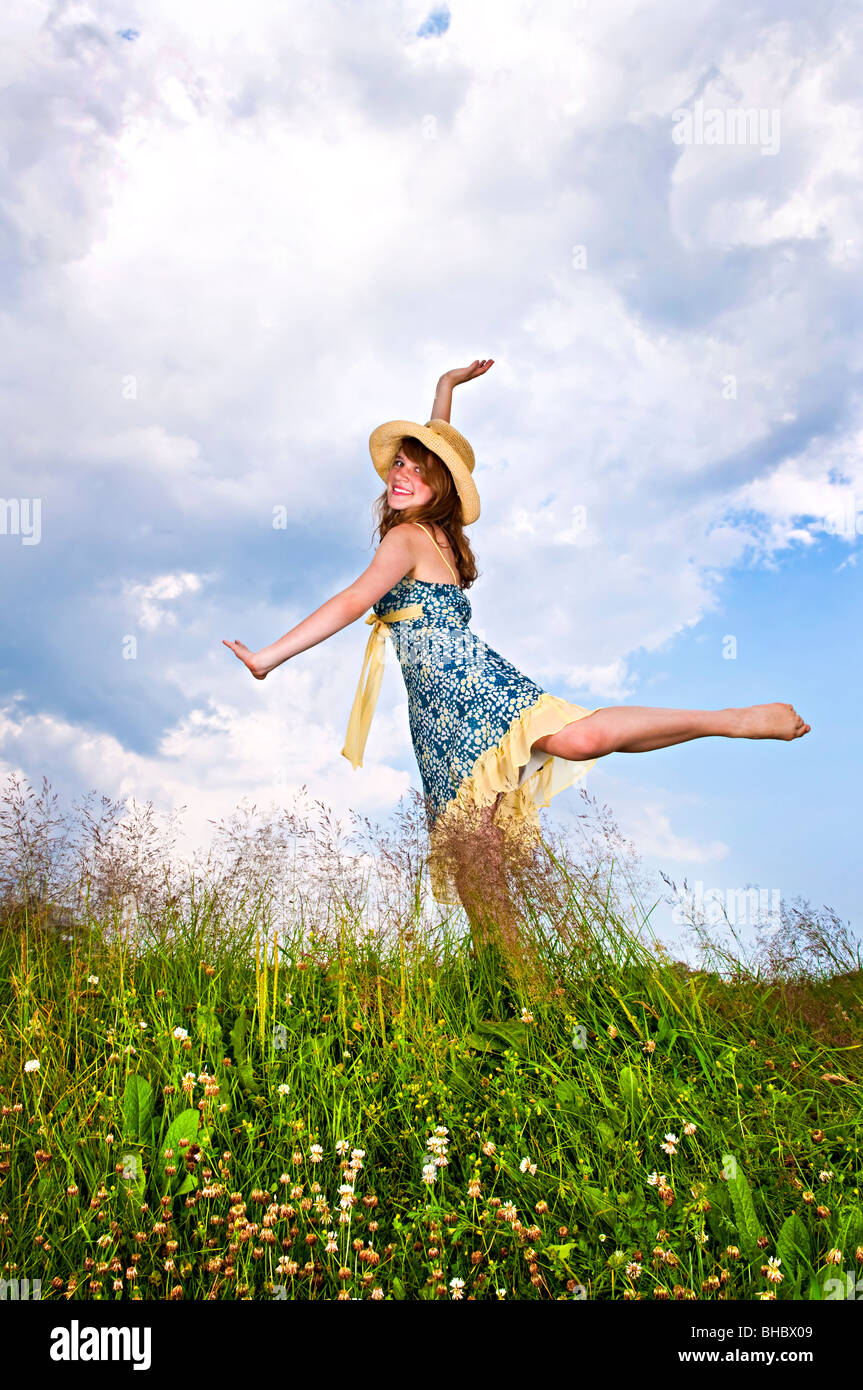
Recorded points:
(489,741)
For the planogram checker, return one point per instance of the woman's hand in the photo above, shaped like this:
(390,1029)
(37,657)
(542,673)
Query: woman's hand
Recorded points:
(456,375)
(248,658)
(442,407)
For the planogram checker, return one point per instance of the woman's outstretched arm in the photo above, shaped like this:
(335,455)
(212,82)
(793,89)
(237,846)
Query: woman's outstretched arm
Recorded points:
(443,395)
(391,562)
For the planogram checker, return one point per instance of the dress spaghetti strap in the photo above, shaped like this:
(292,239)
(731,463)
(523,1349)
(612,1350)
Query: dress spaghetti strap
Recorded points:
(439,551)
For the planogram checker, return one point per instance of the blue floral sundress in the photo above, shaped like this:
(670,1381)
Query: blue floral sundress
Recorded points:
(472,714)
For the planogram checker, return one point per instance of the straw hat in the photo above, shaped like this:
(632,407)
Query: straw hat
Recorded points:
(451,448)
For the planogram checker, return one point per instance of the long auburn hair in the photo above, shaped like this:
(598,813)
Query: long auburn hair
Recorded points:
(444,508)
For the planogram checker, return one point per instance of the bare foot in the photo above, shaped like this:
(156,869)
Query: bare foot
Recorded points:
(768,721)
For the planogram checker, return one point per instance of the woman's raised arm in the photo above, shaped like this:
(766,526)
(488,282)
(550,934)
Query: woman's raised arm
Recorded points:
(454,377)
(390,563)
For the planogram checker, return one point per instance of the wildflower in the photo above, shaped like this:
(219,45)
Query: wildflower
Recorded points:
(656,1179)
(689,1128)
(32,1065)
(473,1188)
(649,1046)
(92,979)
(457,1285)
(489,1149)
(526,1017)
(142,1025)
(611,1030)
(825,1175)
(342,1147)
(772,1271)
(288,1000)
(428,1172)
(633,1269)
(526,1164)
(501,1293)
(180,1034)
(332,1244)
(508,1211)
(834,1257)
(316,1153)
(284,1089)
(669,1146)
(357,1156)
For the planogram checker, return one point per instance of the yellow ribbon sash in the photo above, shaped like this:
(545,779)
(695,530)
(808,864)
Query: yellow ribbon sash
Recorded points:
(366,698)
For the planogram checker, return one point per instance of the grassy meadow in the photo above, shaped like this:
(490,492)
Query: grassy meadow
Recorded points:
(284,1073)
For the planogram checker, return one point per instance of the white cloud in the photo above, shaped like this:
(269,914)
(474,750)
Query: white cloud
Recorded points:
(151,599)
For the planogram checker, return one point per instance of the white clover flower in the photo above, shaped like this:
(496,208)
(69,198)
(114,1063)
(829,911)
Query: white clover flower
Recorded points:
(92,979)
(428,1173)
(32,1065)
(180,1034)
(284,1089)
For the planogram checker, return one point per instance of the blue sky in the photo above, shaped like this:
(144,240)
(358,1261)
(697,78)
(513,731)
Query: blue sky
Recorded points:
(231,252)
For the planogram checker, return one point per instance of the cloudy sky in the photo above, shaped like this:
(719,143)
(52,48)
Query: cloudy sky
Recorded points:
(237,238)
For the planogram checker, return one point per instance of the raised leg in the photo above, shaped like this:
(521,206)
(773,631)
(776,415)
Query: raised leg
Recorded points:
(641,728)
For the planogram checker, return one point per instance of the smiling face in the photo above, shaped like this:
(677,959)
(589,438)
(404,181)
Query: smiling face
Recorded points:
(406,486)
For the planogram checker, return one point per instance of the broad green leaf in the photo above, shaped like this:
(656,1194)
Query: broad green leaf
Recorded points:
(850,1233)
(599,1206)
(208,1025)
(137,1107)
(133,1178)
(745,1219)
(570,1095)
(185,1126)
(793,1245)
(607,1136)
(239,1043)
(511,1032)
(631,1091)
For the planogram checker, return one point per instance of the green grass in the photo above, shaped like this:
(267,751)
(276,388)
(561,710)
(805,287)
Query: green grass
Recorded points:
(553,1073)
